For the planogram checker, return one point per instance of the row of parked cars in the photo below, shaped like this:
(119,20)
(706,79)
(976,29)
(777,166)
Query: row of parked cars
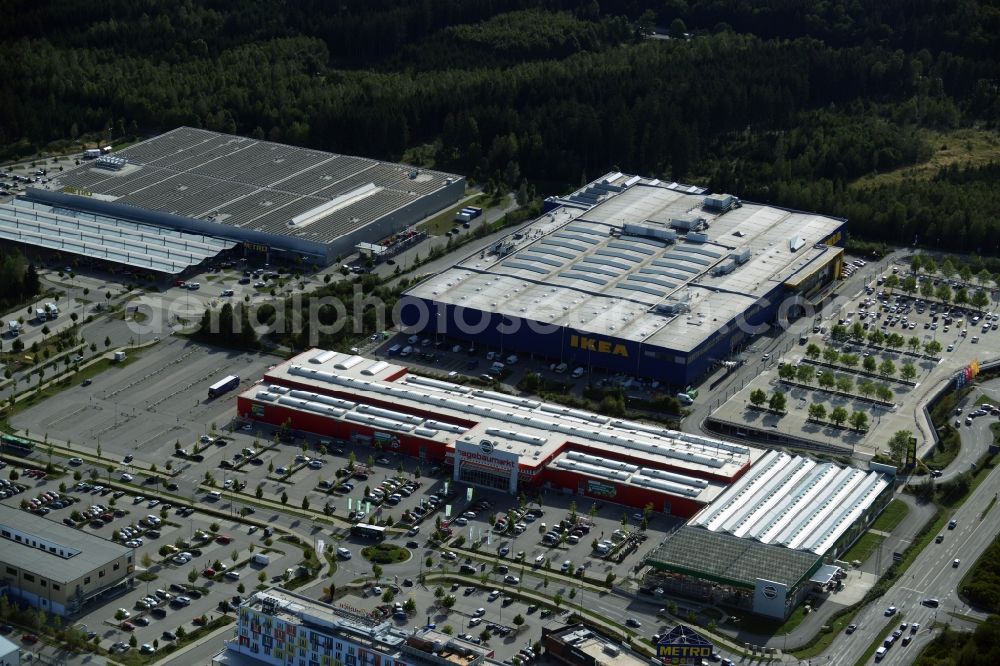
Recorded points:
(10,488)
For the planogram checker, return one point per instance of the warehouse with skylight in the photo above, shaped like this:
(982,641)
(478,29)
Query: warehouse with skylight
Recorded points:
(772,536)
(636,276)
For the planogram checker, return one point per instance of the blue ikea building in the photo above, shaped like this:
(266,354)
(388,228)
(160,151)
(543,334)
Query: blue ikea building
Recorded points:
(633,276)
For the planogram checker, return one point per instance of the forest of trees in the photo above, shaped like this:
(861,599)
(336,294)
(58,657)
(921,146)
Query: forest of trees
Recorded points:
(784,104)
(18,280)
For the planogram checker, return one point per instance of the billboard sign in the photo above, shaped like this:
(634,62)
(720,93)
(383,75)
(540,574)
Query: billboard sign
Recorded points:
(683,646)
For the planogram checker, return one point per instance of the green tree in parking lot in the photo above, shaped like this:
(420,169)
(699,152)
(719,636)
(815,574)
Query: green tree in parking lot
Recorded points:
(850,360)
(284,497)
(826,379)
(869,364)
(485,635)
(857,332)
(518,620)
(927,289)
(943,293)
(913,343)
(908,371)
(260,490)
(887,368)
(845,383)
(932,348)
(838,415)
(261,577)
(961,296)
(892,282)
(895,341)
(859,421)
(805,374)
(876,337)
(305,503)
(817,411)
(777,402)
(193,575)
(812,351)
(980,300)
(866,387)
(786,371)
(830,355)
(883,393)
(838,332)
(909,284)
(758,397)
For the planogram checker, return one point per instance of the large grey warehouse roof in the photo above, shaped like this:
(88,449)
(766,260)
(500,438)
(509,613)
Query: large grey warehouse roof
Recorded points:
(93,551)
(107,238)
(255,185)
(647,262)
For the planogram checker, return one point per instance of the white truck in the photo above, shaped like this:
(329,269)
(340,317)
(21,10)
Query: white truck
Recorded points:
(14,328)
(51,311)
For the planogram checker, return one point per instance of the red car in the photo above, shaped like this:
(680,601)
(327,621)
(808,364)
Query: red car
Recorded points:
(223,539)
(29,638)
(127,626)
(208,573)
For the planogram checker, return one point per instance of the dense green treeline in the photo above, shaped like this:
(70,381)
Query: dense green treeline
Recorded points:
(954,647)
(18,280)
(785,103)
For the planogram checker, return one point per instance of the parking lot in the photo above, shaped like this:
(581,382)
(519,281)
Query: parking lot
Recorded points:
(881,336)
(143,407)
(158,532)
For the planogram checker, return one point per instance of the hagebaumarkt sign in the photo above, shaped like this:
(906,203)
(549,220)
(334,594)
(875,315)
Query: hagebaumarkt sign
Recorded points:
(682,646)
(601,489)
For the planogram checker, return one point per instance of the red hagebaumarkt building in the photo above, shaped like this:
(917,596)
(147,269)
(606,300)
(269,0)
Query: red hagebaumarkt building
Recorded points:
(495,440)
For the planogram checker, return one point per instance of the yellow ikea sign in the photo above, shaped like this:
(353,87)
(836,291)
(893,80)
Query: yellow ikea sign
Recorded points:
(600,346)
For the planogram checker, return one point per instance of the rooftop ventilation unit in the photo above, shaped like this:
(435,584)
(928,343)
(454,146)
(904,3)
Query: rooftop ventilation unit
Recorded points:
(725,268)
(650,229)
(720,203)
(687,224)
(741,255)
(795,243)
(697,237)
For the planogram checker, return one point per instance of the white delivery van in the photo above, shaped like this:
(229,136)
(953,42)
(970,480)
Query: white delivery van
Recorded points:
(261,558)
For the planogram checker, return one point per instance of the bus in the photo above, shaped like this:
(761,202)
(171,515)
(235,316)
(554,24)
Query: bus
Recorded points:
(16,445)
(367,531)
(223,385)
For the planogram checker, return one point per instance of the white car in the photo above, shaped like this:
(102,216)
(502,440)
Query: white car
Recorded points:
(343,553)
(127,478)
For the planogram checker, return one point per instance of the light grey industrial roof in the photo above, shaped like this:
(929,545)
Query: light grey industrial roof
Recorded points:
(729,559)
(256,185)
(575,267)
(95,552)
(110,239)
(794,501)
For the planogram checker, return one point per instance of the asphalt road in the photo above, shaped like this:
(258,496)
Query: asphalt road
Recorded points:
(930,576)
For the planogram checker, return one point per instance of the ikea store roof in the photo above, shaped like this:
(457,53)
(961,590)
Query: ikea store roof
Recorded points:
(793,501)
(536,431)
(622,269)
(106,238)
(255,185)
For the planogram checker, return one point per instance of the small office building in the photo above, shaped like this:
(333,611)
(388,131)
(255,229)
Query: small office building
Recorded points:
(56,568)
